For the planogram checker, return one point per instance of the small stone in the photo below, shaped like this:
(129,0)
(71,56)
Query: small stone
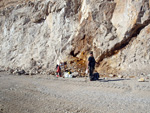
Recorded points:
(75,74)
(105,78)
(15,71)
(148,75)
(21,72)
(142,73)
(141,80)
(111,75)
(11,71)
(120,76)
(1,109)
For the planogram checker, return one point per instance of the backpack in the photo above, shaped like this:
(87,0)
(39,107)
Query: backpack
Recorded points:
(58,69)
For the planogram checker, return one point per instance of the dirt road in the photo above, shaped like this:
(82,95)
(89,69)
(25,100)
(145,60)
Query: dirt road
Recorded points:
(47,94)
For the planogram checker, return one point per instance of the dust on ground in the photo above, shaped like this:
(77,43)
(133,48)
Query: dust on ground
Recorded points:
(48,94)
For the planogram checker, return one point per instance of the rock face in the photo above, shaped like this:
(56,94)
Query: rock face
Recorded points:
(35,34)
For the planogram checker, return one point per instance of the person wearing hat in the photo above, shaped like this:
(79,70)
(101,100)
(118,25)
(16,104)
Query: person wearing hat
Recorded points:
(91,65)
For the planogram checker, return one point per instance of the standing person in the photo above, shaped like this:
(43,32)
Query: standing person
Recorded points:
(91,65)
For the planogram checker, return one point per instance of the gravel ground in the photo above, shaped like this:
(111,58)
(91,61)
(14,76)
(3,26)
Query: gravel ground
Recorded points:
(47,94)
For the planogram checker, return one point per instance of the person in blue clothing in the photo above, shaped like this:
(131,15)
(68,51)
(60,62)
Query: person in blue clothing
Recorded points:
(91,65)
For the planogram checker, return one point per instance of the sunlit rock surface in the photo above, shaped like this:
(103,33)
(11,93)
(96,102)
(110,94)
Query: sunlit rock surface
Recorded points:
(35,34)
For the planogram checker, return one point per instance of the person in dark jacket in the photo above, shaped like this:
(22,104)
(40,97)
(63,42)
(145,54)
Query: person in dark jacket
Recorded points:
(91,65)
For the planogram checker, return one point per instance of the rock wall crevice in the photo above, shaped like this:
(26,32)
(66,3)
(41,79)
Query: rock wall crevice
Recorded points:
(128,37)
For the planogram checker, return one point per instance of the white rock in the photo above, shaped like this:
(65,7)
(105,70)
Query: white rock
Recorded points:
(148,75)
(111,75)
(120,76)
(141,80)
(75,74)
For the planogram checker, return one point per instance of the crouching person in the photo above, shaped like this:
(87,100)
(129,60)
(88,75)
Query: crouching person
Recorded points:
(58,71)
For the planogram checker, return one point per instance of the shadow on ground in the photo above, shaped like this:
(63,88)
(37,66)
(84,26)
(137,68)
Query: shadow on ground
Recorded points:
(96,75)
(104,80)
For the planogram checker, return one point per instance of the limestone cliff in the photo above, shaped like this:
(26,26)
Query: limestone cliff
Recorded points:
(34,34)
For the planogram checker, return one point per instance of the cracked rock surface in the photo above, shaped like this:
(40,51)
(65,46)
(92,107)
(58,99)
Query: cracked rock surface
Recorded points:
(35,34)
